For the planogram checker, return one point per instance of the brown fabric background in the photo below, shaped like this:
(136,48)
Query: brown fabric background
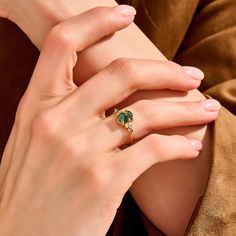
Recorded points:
(191,32)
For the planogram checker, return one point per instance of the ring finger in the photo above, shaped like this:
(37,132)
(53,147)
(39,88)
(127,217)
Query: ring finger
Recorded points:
(151,116)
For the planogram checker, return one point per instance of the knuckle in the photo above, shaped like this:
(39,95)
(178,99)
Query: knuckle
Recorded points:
(98,176)
(106,18)
(69,153)
(150,140)
(80,150)
(152,143)
(69,149)
(144,107)
(60,35)
(66,154)
(191,110)
(45,124)
(121,65)
(175,69)
(181,139)
(141,106)
(126,68)
(100,12)
(177,76)
(173,66)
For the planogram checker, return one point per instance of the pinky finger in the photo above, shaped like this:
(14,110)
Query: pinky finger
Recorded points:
(131,162)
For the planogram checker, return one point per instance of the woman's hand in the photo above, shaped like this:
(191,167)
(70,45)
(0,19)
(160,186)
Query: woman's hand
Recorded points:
(36,18)
(63,172)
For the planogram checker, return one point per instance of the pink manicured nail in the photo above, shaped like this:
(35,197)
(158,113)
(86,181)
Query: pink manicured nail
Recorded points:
(211,105)
(126,10)
(194,72)
(196,144)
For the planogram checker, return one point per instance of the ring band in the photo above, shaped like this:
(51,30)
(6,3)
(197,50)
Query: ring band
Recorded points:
(124,119)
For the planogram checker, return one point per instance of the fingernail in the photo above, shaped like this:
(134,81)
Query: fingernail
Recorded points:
(196,144)
(211,105)
(126,10)
(194,72)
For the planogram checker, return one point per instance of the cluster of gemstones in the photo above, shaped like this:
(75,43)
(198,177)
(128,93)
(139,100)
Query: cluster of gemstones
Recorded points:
(125,118)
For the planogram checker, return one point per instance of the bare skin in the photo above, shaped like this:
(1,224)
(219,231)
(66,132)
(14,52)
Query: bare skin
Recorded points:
(177,185)
(76,189)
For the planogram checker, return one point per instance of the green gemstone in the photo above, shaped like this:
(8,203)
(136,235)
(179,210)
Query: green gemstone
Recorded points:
(121,117)
(124,118)
(129,115)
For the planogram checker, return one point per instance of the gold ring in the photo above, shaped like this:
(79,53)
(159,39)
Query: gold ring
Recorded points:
(124,119)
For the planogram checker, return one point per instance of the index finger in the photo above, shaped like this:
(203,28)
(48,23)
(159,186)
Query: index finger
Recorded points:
(58,56)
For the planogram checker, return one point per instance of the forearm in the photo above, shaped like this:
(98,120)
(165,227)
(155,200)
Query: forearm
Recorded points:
(37,27)
(169,178)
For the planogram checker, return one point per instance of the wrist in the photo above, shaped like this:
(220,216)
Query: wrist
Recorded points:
(33,19)
(36,18)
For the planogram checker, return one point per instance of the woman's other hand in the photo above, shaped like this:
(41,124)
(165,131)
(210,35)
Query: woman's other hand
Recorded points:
(63,172)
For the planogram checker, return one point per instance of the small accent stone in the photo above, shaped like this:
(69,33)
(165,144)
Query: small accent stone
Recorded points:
(130,130)
(117,111)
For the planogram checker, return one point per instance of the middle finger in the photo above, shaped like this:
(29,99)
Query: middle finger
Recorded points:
(125,76)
